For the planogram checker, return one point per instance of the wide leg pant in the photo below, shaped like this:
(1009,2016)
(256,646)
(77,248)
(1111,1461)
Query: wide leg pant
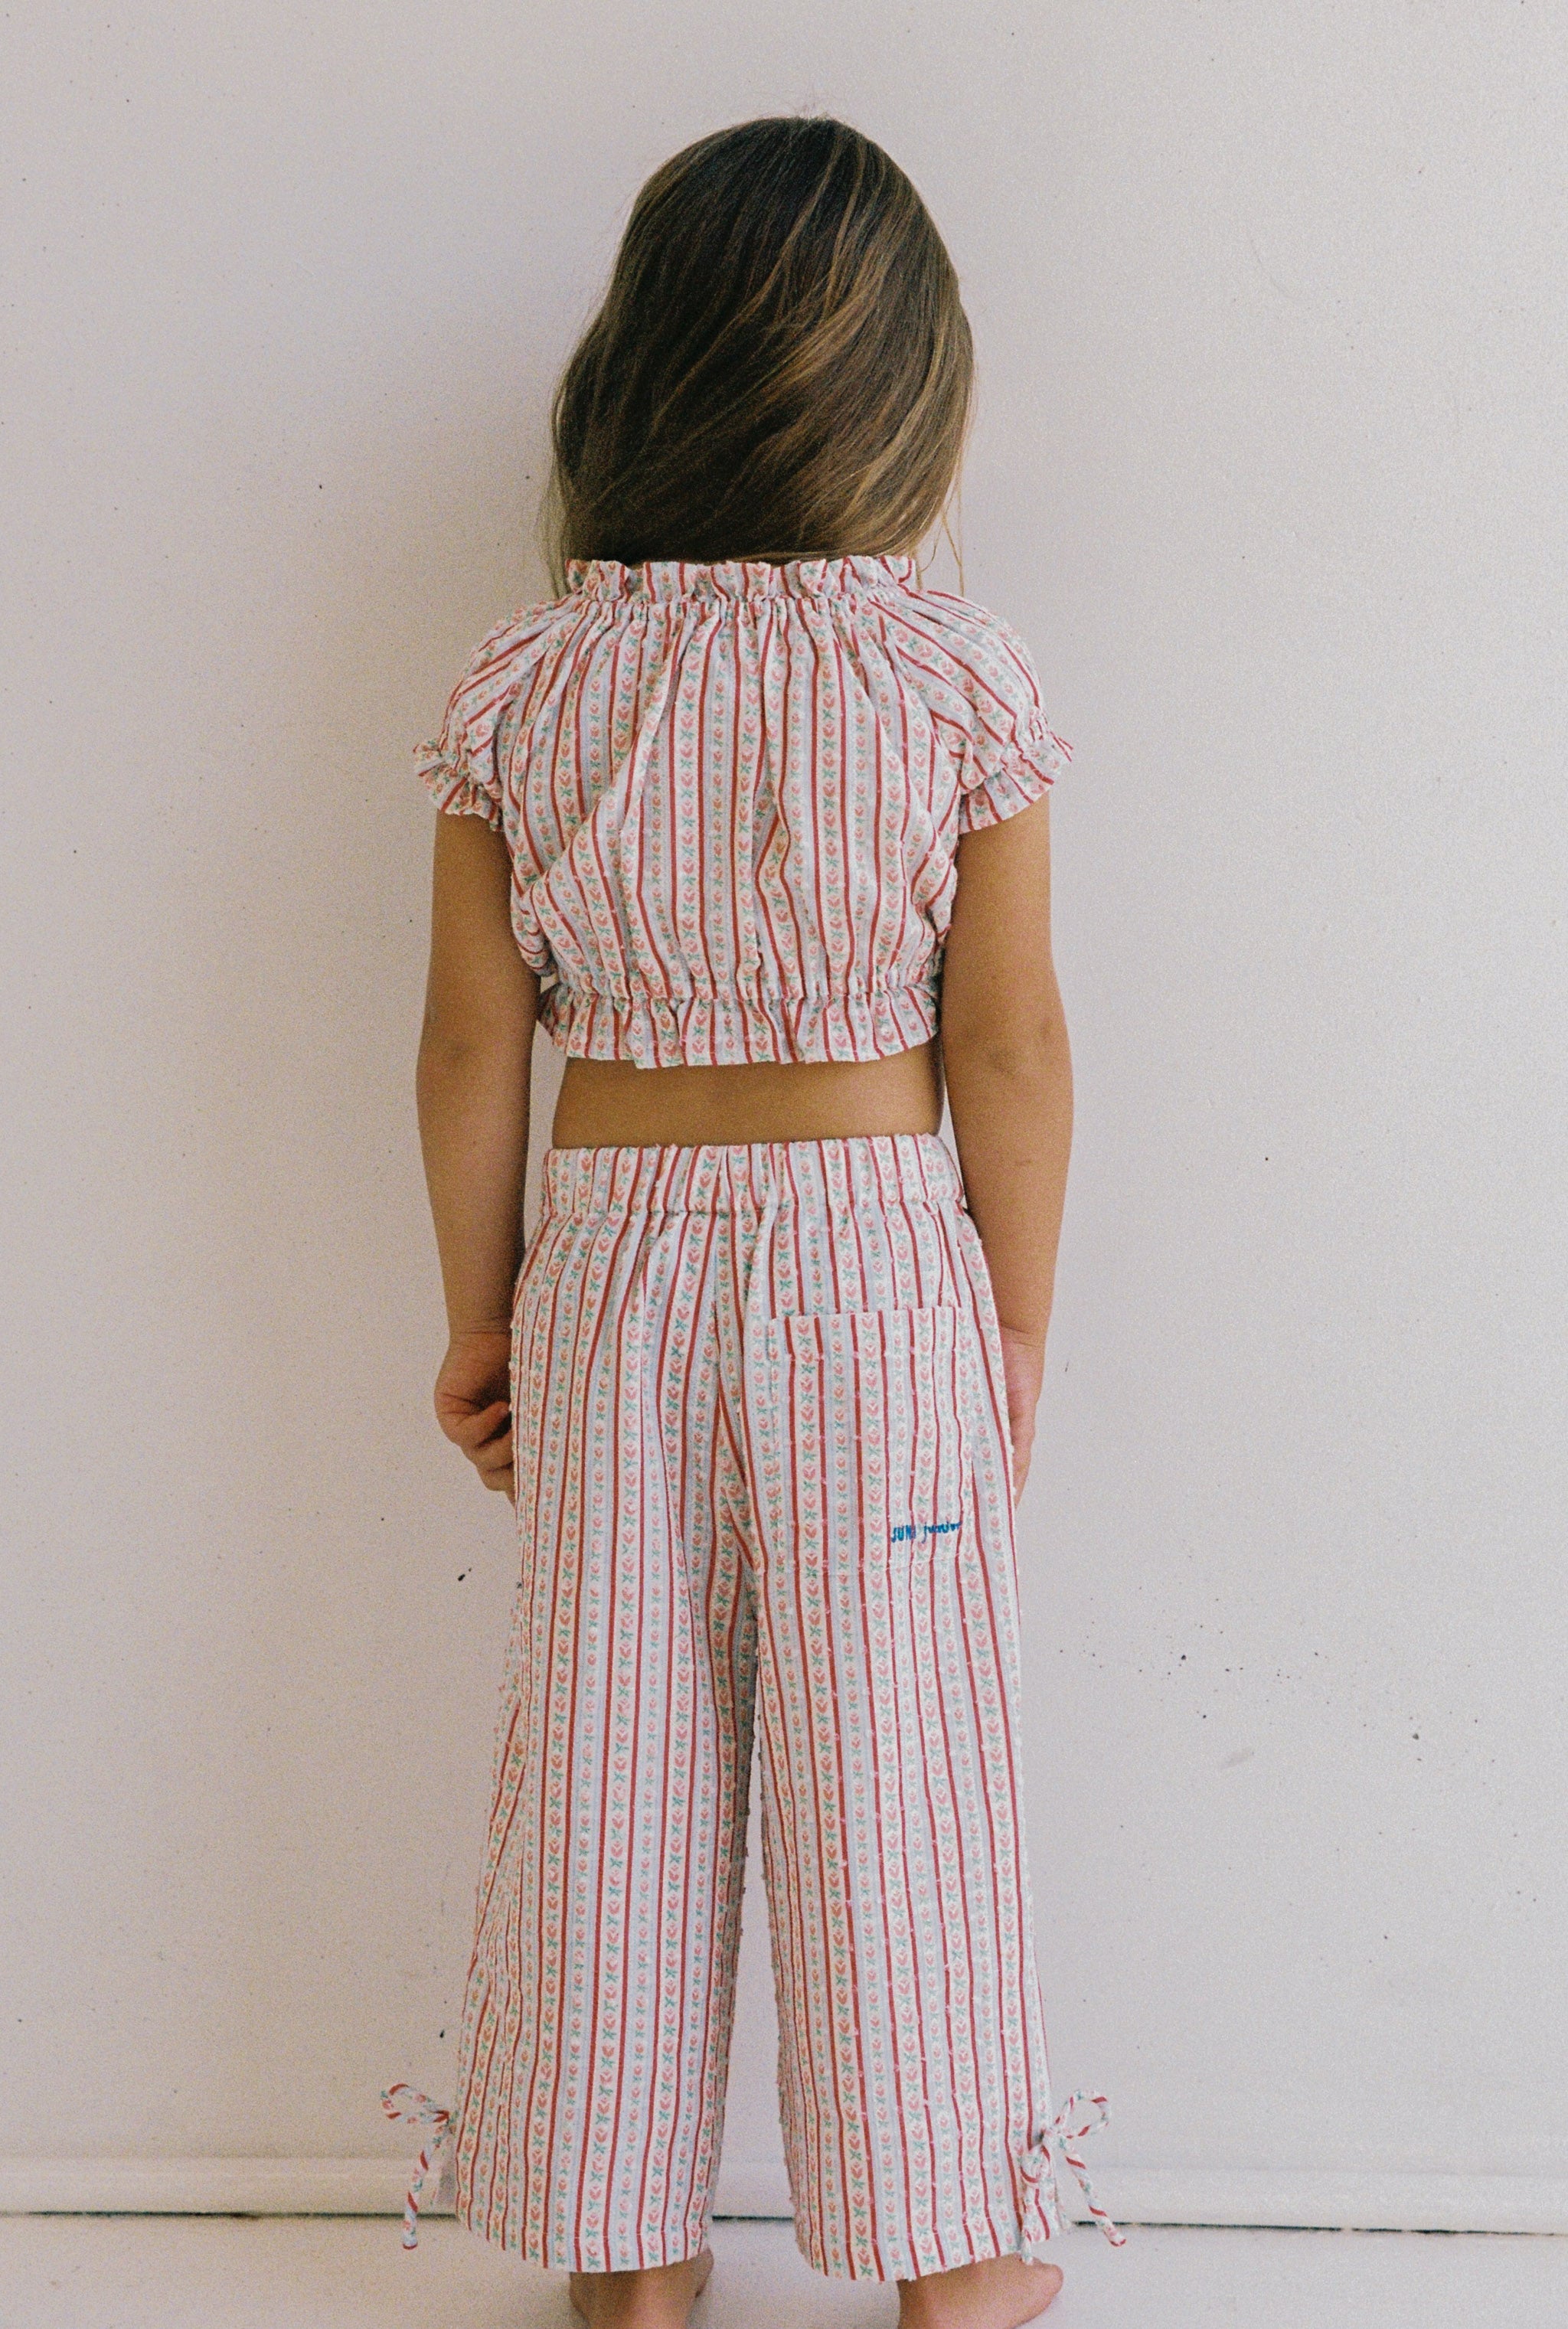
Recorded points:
(763,1474)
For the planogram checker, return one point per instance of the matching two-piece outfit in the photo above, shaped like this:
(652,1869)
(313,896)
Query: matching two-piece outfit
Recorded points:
(762,1458)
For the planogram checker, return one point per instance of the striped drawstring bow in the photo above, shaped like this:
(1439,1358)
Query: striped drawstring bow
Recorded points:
(412,2109)
(1081,2115)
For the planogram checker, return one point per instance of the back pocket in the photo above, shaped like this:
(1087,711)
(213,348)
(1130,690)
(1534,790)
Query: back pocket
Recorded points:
(862,1448)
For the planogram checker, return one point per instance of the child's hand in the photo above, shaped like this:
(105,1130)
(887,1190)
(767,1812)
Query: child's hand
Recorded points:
(1024,1366)
(474,1403)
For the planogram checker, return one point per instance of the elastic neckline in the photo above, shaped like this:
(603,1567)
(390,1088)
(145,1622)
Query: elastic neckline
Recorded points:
(740,578)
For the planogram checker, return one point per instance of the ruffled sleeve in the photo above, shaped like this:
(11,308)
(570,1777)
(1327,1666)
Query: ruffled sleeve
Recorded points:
(1013,752)
(978,681)
(463,767)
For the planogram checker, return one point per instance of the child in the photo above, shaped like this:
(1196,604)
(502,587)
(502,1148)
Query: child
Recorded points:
(755,827)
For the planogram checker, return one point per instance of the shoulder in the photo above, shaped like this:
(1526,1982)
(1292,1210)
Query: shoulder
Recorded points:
(957,650)
(979,681)
(506,659)
(460,766)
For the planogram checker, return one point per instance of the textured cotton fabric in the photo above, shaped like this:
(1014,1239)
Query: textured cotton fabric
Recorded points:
(763,1474)
(733,793)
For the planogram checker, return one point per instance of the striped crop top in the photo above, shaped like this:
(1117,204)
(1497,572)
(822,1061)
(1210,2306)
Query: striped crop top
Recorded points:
(732,794)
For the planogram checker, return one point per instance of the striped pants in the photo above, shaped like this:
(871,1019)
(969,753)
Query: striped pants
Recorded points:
(762,1474)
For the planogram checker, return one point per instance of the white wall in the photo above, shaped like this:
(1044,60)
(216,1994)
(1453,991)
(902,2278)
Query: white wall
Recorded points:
(1269,469)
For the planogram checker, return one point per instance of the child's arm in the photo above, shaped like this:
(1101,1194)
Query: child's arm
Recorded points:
(476,1051)
(1009,1077)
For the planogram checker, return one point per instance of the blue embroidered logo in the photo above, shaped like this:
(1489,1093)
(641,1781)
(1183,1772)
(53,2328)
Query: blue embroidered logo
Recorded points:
(906,1530)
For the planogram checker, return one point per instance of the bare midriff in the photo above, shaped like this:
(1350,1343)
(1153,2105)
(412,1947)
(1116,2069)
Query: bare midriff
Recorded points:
(613,1104)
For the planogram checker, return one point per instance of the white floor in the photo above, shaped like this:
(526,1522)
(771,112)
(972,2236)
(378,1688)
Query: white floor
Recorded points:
(150,2272)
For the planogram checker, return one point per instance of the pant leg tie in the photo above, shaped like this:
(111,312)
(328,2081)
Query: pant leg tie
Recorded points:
(411,2109)
(1082,2114)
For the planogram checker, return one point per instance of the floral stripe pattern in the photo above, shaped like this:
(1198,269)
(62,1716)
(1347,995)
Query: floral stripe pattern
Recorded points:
(763,1483)
(732,795)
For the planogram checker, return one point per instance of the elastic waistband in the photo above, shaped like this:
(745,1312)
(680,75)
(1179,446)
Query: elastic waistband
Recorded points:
(818,1176)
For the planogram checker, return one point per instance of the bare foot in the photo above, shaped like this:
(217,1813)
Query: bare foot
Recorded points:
(659,2298)
(1001,2293)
